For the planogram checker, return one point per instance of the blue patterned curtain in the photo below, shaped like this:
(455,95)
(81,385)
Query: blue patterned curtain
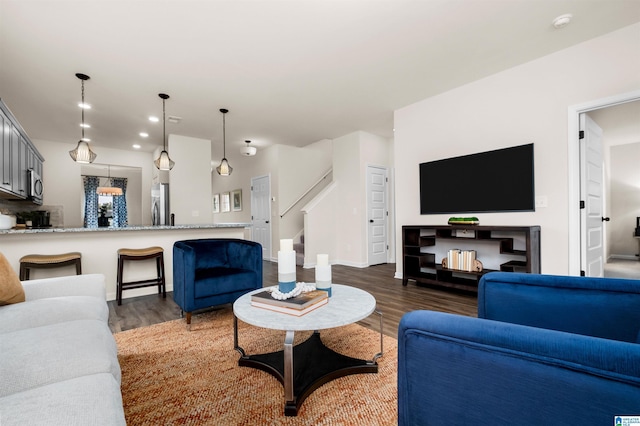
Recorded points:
(91,184)
(119,203)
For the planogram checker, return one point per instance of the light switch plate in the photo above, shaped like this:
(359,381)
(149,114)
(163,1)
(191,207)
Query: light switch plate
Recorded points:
(542,201)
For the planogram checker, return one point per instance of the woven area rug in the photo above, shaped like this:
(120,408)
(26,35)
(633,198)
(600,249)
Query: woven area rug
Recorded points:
(171,376)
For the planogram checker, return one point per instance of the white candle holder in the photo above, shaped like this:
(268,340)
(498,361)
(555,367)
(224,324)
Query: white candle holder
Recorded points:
(286,267)
(323,273)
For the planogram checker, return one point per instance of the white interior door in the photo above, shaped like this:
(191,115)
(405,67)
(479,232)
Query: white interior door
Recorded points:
(377,215)
(591,196)
(261,213)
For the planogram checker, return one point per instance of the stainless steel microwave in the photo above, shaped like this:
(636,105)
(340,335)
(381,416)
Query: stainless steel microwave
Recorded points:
(35,187)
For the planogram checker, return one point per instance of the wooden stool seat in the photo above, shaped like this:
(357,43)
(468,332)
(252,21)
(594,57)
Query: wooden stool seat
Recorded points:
(44,261)
(156,253)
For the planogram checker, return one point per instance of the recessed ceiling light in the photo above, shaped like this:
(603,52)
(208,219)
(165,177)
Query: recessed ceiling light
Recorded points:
(562,21)
(136,146)
(154,119)
(144,134)
(85,125)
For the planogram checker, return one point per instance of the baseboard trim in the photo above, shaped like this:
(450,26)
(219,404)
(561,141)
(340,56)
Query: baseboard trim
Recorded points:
(624,256)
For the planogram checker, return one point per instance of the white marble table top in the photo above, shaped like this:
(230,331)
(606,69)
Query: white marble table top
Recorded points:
(346,306)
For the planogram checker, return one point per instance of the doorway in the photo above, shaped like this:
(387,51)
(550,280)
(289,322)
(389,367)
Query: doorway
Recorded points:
(377,215)
(261,213)
(576,214)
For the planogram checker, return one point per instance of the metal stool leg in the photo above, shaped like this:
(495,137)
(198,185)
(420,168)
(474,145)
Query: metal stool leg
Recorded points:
(162,277)
(119,279)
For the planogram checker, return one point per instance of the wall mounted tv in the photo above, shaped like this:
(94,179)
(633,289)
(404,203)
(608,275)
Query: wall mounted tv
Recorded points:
(494,181)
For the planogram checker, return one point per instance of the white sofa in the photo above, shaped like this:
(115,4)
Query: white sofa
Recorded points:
(58,359)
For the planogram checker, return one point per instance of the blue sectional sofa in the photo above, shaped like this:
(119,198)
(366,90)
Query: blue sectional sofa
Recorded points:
(544,350)
(211,272)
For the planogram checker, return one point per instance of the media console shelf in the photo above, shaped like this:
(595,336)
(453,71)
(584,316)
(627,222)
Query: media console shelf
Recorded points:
(421,261)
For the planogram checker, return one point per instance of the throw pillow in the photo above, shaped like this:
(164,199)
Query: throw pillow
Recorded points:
(11,290)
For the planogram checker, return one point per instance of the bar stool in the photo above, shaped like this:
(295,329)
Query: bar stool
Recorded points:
(46,261)
(156,253)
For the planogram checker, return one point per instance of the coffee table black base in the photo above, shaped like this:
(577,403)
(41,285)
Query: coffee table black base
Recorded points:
(314,365)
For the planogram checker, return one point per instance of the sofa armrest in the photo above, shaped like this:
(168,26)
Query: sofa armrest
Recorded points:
(479,371)
(73,285)
(600,307)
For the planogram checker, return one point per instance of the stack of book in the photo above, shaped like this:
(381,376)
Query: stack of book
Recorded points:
(461,260)
(298,306)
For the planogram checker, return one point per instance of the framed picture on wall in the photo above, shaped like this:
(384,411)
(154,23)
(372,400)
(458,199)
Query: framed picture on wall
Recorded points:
(224,202)
(236,200)
(216,203)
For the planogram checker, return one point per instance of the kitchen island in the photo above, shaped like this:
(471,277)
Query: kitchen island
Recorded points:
(99,249)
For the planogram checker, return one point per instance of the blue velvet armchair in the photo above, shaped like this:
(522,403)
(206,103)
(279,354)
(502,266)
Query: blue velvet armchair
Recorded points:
(211,272)
(544,350)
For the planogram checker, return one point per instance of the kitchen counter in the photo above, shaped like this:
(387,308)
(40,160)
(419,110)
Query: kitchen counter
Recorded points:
(126,229)
(99,248)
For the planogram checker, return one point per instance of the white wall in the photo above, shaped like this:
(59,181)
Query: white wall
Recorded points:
(528,103)
(624,199)
(352,154)
(320,226)
(375,151)
(190,180)
(299,169)
(243,170)
(291,170)
(349,207)
(63,184)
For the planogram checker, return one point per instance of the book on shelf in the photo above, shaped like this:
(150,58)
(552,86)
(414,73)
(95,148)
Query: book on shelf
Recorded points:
(462,260)
(301,301)
(290,311)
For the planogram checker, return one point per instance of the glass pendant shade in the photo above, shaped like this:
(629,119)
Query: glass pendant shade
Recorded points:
(224,169)
(83,154)
(164,162)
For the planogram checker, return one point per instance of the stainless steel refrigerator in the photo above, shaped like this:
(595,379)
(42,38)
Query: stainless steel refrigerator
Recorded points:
(160,211)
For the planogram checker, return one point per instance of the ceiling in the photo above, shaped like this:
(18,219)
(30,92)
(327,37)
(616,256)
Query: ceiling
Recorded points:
(290,72)
(620,124)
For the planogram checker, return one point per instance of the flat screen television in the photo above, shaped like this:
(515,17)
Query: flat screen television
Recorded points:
(494,181)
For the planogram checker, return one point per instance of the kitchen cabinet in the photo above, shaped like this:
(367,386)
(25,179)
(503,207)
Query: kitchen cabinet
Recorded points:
(19,155)
(5,150)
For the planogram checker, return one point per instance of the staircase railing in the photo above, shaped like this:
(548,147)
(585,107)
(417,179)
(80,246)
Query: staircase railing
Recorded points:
(300,198)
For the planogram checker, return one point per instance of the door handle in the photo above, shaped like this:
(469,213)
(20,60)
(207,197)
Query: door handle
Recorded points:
(370,220)
(266,221)
(606,219)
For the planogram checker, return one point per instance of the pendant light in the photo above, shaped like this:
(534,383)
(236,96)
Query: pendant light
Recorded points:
(224,169)
(83,154)
(109,190)
(164,162)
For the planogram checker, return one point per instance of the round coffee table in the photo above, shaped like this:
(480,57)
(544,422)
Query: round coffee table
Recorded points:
(315,363)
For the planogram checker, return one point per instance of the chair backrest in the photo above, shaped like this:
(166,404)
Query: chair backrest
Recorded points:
(221,252)
(599,307)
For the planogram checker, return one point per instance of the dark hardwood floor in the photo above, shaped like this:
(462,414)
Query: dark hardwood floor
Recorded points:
(393,300)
